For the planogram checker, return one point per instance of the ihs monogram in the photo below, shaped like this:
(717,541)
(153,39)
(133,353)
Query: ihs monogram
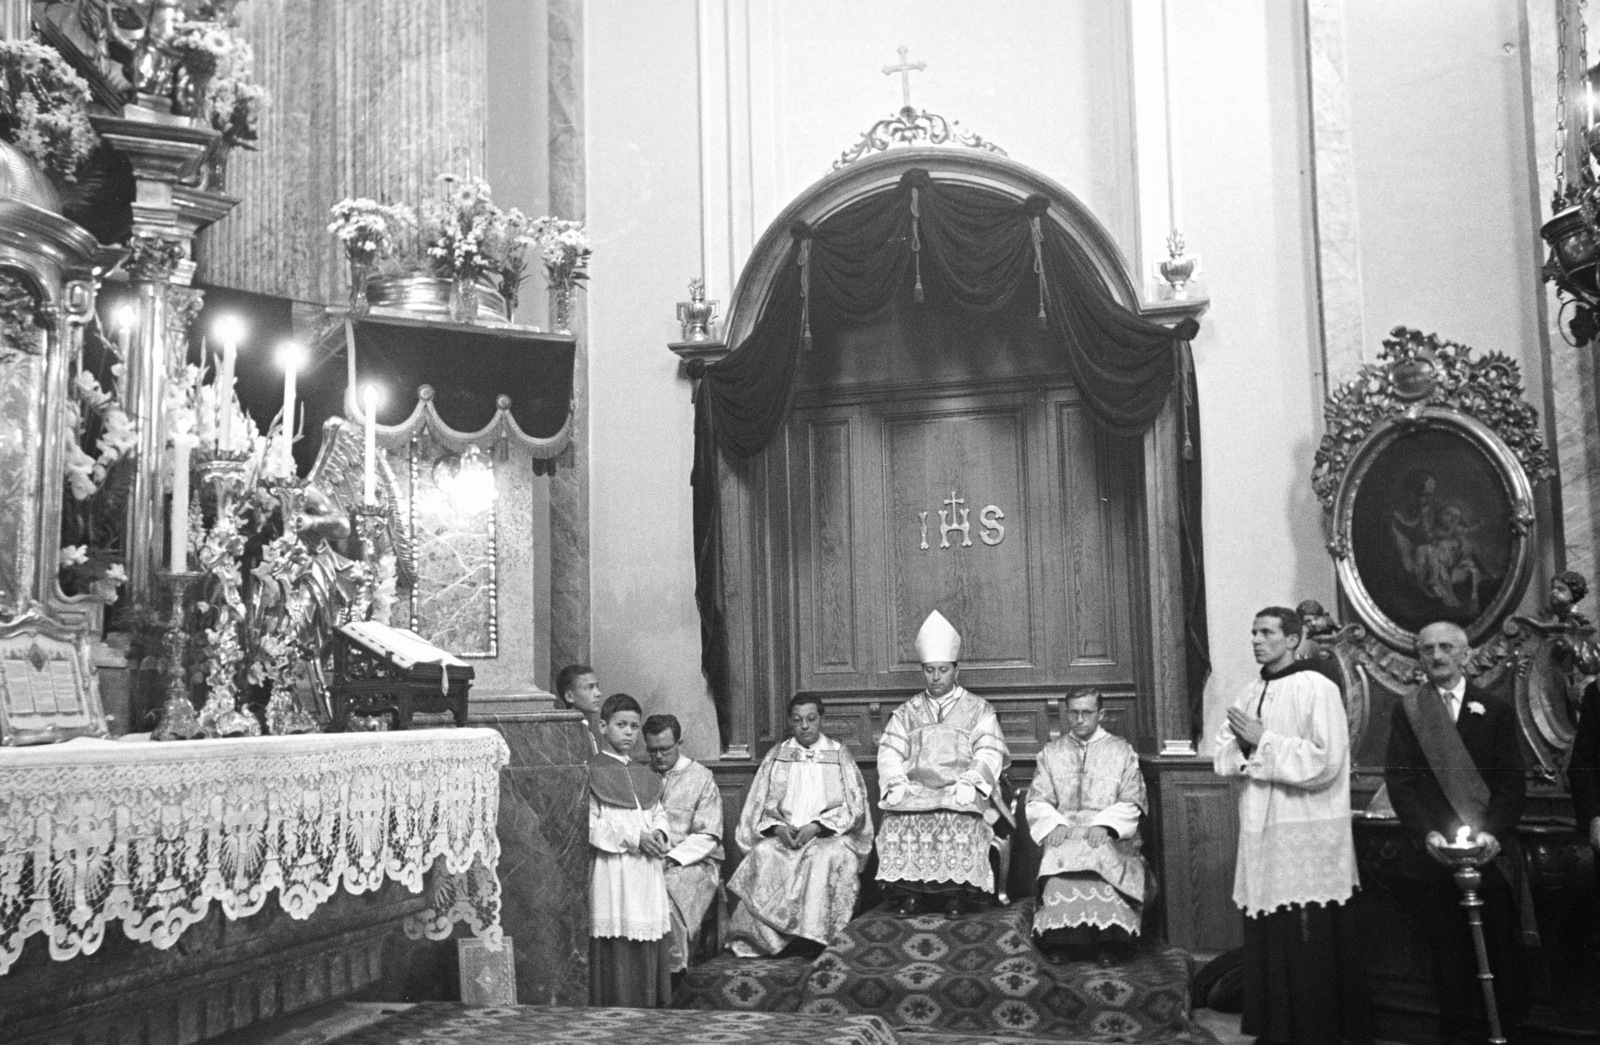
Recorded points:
(990,531)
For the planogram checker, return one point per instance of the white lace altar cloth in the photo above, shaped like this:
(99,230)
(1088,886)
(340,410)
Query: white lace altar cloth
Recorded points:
(148,834)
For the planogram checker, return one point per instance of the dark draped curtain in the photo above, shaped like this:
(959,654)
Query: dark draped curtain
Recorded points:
(977,250)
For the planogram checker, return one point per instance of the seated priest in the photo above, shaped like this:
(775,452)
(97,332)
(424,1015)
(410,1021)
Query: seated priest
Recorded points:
(1083,811)
(693,864)
(806,831)
(939,766)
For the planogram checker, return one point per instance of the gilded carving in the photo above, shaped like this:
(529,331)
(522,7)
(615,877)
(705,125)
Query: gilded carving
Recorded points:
(23,322)
(908,127)
(152,258)
(183,305)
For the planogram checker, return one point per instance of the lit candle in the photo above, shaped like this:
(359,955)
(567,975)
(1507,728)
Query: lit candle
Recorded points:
(178,531)
(1464,837)
(228,331)
(124,320)
(289,356)
(369,472)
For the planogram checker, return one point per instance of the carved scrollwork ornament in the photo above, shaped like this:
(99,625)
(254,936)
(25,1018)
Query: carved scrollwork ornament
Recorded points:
(909,127)
(183,305)
(153,258)
(1415,371)
(24,320)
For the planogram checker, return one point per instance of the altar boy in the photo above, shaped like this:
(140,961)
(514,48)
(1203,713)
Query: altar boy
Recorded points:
(629,909)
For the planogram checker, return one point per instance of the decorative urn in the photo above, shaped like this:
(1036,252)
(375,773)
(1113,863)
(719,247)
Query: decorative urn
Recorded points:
(697,314)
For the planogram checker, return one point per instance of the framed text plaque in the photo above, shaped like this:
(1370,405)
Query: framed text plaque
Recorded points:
(48,688)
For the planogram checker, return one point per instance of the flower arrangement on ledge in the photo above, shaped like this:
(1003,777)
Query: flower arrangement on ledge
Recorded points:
(461,235)
(43,108)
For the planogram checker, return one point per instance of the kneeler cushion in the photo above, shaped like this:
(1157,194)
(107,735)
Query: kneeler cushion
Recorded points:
(981,973)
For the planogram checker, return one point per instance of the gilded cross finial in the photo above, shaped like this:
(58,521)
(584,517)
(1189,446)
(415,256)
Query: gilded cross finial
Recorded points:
(905,69)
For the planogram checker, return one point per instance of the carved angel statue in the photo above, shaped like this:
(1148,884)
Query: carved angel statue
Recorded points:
(316,575)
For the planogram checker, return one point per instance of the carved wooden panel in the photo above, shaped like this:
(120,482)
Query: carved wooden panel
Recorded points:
(1198,817)
(1009,511)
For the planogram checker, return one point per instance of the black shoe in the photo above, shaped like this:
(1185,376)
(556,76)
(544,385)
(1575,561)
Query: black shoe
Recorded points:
(906,906)
(952,908)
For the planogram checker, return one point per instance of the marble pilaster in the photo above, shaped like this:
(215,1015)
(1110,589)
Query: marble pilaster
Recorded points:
(544,848)
(569,486)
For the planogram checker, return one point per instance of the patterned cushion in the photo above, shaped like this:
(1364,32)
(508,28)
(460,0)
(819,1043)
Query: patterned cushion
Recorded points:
(982,974)
(743,984)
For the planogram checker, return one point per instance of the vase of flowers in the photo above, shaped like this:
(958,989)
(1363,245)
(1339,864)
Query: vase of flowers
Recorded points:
(43,108)
(200,47)
(564,248)
(369,231)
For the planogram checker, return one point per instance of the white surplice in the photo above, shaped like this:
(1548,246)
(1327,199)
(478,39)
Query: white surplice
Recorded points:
(1295,841)
(627,889)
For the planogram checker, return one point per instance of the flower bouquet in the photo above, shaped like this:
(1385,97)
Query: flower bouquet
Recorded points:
(43,108)
(564,246)
(371,232)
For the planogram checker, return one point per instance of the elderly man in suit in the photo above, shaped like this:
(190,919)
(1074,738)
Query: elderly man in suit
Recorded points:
(1454,765)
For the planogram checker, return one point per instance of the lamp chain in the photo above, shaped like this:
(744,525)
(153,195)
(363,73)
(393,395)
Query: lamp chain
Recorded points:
(1558,202)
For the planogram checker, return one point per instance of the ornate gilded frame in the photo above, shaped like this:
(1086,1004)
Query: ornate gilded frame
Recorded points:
(1422,383)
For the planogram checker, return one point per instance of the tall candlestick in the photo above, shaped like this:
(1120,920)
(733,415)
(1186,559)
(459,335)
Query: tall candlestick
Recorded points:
(178,529)
(369,472)
(228,330)
(289,355)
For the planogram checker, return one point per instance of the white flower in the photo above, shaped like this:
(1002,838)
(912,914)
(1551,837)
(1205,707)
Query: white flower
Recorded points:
(1475,707)
(74,555)
(116,574)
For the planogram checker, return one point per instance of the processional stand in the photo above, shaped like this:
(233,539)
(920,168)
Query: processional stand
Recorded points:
(1466,859)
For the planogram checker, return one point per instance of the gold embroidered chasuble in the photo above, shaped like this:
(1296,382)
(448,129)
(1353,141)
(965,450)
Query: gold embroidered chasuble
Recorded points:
(930,746)
(1078,785)
(808,892)
(693,865)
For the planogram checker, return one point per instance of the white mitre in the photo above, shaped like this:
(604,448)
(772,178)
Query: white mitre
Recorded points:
(938,641)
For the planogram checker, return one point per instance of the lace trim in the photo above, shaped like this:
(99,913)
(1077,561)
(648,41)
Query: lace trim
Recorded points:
(1302,862)
(150,835)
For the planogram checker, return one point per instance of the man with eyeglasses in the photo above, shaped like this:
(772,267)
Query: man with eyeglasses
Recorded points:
(1083,810)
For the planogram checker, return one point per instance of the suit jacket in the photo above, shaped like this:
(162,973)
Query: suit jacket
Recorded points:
(1583,772)
(1492,741)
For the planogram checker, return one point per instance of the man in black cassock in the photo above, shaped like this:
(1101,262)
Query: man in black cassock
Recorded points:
(1583,772)
(1455,762)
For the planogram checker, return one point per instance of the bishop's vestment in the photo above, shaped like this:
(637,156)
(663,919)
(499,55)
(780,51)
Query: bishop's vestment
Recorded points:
(808,892)
(1088,892)
(693,806)
(931,841)
(1303,978)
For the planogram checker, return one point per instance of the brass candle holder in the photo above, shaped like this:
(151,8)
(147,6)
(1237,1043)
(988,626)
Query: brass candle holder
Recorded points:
(177,717)
(1467,857)
(284,714)
(371,520)
(228,472)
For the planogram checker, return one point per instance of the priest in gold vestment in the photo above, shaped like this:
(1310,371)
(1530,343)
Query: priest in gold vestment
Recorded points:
(693,864)
(1083,810)
(939,766)
(806,830)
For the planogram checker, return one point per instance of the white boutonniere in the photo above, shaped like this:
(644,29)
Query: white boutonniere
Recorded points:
(1475,707)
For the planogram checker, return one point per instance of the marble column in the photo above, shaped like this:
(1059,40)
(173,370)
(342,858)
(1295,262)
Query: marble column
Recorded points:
(544,848)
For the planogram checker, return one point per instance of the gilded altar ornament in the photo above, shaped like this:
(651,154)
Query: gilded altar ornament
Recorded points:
(697,314)
(1177,269)
(176,719)
(227,472)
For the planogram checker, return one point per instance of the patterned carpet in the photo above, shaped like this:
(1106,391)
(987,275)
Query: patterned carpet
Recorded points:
(976,976)
(529,1024)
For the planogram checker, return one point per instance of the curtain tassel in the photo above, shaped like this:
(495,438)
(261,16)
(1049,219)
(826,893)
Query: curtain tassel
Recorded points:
(916,240)
(1185,368)
(1038,268)
(805,295)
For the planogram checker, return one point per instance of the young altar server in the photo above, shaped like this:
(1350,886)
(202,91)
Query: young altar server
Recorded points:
(629,910)
(939,766)
(1083,810)
(1288,737)
(805,831)
(693,863)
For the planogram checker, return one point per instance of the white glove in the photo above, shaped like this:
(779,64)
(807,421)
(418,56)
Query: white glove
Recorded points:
(895,795)
(966,794)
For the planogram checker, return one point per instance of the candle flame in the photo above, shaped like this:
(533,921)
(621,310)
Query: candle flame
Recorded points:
(291,356)
(371,397)
(124,317)
(1464,836)
(230,331)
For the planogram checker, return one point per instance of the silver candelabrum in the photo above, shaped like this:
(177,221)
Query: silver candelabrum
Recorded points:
(228,473)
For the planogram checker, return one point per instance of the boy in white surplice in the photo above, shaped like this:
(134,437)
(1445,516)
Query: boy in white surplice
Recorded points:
(1083,810)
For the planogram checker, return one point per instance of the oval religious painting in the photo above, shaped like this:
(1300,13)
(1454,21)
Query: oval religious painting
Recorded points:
(1434,517)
